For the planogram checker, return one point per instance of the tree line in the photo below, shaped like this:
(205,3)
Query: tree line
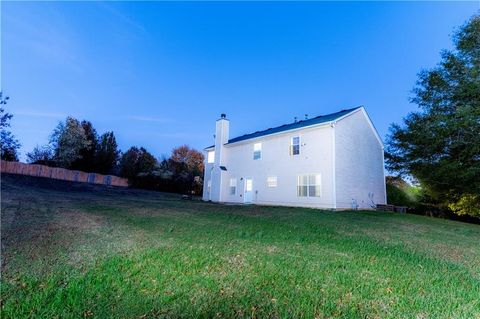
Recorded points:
(9,144)
(76,145)
(439,145)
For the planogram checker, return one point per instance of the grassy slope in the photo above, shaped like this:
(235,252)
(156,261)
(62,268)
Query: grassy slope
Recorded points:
(70,251)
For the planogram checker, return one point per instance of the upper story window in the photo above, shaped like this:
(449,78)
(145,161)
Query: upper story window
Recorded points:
(233,186)
(272,181)
(211,156)
(309,185)
(295,145)
(257,151)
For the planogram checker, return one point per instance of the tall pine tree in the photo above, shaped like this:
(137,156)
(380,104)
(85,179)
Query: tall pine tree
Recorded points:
(440,144)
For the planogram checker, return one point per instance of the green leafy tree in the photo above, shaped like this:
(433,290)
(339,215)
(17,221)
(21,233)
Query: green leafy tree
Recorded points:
(128,163)
(147,163)
(9,144)
(401,193)
(107,154)
(136,163)
(41,155)
(440,144)
(467,205)
(67,141)
(86,160)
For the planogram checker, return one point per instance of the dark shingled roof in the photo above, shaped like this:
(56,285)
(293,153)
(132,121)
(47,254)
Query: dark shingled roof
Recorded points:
(286,127)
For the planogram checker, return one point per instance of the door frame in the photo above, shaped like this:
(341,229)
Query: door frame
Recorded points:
(246,179)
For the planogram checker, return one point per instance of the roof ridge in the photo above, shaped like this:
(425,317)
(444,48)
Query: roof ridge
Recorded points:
(286,127)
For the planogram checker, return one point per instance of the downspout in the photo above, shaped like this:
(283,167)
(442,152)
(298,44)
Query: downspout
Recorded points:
(384,181)
(334,179)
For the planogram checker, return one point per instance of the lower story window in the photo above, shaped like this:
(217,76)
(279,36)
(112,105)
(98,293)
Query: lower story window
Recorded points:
(272,181)
(309,185)
(233,186)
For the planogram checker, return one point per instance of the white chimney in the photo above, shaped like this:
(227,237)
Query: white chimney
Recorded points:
(218,172)
(221,137)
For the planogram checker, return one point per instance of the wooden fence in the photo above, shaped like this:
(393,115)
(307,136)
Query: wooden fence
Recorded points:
(61,173)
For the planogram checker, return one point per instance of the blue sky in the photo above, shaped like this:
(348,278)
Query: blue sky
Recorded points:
(159,73)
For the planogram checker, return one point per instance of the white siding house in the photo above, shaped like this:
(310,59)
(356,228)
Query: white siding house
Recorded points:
(333,161)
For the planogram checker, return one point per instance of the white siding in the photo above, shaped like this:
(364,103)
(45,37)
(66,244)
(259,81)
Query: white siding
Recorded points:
(347,154)
(359,163)
(207,175)
(315,158)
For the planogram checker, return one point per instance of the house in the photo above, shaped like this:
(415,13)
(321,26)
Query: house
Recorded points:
(333,161)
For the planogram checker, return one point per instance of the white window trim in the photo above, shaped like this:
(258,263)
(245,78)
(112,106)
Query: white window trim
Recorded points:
(232,185)
(272,183)
(291,145)
(319,185)
(259,150)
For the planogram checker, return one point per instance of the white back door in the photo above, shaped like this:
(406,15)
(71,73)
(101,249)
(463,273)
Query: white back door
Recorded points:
(248,195)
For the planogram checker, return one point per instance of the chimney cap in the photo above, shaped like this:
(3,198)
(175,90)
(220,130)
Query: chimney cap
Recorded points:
(223,116)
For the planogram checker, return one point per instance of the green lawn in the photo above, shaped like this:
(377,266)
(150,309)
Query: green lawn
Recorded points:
(82,251)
